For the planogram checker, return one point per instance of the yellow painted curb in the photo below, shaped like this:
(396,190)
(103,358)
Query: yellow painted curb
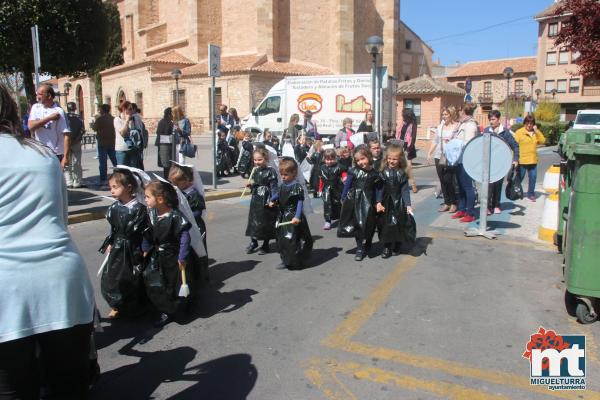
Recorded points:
(545,234)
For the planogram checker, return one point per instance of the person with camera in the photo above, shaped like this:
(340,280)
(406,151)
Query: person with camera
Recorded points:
(129,142)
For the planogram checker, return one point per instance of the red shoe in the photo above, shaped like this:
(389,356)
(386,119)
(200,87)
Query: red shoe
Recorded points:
(467,218)
(458,214)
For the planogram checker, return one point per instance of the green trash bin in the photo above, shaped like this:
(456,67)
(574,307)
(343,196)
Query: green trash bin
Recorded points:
(567,168)
(582,250)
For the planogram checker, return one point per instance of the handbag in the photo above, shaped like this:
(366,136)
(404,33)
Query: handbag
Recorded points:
(188,149)
(514,190)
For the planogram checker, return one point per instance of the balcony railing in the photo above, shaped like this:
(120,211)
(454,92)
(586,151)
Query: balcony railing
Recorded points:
(591,91)
(485,98)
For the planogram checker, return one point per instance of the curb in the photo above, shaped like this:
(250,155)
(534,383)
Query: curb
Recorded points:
(96,215)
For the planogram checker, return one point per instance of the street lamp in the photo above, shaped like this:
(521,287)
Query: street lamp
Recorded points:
(553,91)
(176,74)
(374,46)
(538,92)
(508,73)
(532,79)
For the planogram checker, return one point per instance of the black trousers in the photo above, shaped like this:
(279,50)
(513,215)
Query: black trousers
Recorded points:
(447,182)
(494,194)
(62,366)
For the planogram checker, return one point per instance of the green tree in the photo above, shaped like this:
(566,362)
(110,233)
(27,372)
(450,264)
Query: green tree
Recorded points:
(73,34)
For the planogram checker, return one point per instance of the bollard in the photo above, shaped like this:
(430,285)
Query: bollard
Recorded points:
(547,229)
(551,178)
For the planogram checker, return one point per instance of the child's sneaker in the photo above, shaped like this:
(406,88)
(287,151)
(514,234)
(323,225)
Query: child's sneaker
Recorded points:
(327,226)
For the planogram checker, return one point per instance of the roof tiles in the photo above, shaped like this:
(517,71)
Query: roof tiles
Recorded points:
(427,85)
(495,67)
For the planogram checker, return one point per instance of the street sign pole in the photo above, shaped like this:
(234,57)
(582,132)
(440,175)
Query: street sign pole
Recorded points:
(214,70)
(35,40)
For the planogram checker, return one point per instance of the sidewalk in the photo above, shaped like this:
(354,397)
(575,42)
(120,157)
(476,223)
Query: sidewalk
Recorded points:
(87,204)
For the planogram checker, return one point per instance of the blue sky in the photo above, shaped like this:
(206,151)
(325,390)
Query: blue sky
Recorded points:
(434,19)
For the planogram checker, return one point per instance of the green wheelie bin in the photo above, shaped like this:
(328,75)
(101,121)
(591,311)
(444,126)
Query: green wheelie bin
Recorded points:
(567,169)
(582,250)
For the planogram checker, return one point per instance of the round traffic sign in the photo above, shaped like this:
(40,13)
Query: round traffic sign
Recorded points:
(500,158)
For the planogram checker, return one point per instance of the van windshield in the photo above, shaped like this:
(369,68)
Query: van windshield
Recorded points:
(269,106)
(588,119)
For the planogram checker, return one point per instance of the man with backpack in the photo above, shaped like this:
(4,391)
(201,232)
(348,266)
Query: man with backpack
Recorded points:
(73,171)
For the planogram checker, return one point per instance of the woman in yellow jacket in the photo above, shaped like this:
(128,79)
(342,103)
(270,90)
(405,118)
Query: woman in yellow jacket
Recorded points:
(528,138)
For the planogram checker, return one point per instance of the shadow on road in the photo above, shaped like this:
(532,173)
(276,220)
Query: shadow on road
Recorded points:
(231,377)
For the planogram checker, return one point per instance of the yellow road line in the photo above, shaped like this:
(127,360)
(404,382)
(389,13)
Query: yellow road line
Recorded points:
(591,349)
(322,373)
(357,318)
(458,369)
(342,335)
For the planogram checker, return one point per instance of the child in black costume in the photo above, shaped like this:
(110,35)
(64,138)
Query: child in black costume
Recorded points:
(245,162)
(394,202)
(223,160)
(166,249)
(183,177)
(301,148)
(262,213)
(375,149)
(294,240)
(344,158)
(315,159)
(121,282)
(330,187)
(358,196)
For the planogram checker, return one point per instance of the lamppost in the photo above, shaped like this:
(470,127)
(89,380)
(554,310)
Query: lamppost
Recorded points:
(553,91)
(374,46)
(176,74)
(508,73)
(532,79)
(538,92)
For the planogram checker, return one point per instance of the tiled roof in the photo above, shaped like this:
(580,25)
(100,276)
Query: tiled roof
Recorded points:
(169,57)
(248,63)
(549,12)
(495,67)
(427,85)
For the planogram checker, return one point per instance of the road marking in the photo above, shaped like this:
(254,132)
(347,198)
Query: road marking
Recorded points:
(345,331)
(590,344)
(323,374)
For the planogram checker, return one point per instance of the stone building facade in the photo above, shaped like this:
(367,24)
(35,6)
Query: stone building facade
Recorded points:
(262,41)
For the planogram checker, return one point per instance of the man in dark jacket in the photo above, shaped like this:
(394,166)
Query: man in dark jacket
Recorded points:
(73,171)
(105,140)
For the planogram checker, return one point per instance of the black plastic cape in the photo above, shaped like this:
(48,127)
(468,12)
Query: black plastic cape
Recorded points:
(294,242)
(392,223)
(331,178)
(223,157)
(198,205)
(358,217)
(121,282)
(261,218)
(245,161)
(316,161)
(162,277)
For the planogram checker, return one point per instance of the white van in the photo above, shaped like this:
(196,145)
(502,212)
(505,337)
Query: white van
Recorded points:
(587,119)
(330,98)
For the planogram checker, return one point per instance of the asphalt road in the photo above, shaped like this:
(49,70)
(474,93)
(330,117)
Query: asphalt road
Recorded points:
(449,319)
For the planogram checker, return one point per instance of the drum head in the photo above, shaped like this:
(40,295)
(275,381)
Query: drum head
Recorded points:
(501,157)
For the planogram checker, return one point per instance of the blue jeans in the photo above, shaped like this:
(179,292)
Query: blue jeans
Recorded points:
(466,193)
(531,170)
(131,158)
(103,154)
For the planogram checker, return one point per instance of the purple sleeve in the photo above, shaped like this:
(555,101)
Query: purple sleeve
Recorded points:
(146,246)
(379,194)
(347,186)
(184,245)
(274,190)
(299,209)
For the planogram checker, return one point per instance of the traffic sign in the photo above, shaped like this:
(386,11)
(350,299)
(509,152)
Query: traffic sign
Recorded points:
(214,60)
